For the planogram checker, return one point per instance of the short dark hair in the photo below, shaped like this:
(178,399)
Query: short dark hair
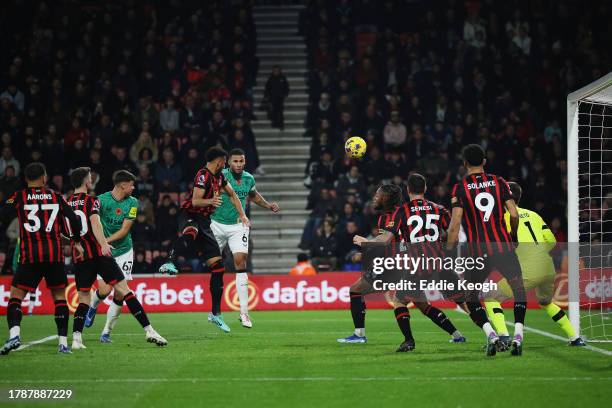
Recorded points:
(78,175)
(236,152)
(214,153)
(123,176)
(302,257)
(393,193)
(416,184)
(473,154)
(34,171)
(516,190)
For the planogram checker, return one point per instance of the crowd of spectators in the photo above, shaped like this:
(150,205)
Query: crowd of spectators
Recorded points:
(145,86)
(419,80)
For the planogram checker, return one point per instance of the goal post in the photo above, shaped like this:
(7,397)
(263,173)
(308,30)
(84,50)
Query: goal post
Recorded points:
(589,184)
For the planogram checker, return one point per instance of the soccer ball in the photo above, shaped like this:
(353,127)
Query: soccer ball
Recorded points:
(355,147)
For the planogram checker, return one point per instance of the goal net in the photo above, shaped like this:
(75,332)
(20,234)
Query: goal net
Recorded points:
(589,185)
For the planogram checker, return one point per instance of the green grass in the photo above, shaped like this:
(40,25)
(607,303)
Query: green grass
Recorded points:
(291,359)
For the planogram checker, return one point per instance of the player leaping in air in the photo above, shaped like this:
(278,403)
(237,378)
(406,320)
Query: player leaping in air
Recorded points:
(536,241)
(40,212)
(479,201)
(196,233)
(229,229)
(118,211)
(96,260)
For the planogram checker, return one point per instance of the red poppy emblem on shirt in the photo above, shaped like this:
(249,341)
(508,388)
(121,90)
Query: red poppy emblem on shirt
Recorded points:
(118,211)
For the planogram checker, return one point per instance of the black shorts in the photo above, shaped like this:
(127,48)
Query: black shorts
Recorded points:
(205,242)
(507,264)
(28,276)
(85,272)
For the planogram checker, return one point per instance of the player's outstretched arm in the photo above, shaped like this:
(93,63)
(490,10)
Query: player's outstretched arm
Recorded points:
(384,238)
(237,204)
(258,199)
(454,227)
(122,233)
(98,231)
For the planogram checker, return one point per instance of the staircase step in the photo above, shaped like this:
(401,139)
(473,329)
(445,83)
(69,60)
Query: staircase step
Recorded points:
(276,31)
(279,263)
(277,233)
(292,89)
(280,22)
(283,252)
(278,9)
(282,151)
(297,94)
(264,212)
(264,138)
(290,54)
(278,168)
(271,243)
(286,157)
(299,204)
(282,223)
(264,126)
(283,62)
(270,186)
(277,176)
(267,71)
(276,45)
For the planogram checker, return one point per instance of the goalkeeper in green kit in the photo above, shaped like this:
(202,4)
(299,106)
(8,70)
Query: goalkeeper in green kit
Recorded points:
(230,231)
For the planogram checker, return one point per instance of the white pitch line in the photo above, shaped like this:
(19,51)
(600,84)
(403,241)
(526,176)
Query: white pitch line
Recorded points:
(552,336)
(40,341)
(301,379)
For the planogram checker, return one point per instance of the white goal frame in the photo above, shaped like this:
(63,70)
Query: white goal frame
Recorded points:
(599,91)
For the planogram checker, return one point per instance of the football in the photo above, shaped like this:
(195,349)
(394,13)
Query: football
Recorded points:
(355,147)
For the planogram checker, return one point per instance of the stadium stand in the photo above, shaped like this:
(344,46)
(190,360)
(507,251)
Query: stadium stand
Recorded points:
(419,79)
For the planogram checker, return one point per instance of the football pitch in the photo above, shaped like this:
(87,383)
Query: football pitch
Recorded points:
(292,359)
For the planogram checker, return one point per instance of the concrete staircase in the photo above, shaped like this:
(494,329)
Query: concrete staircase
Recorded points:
(283,154)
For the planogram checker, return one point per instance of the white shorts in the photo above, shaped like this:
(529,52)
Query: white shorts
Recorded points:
(126,263)
(235,235)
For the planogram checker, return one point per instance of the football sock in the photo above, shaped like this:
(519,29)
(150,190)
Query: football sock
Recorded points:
(496,315)
(183,243)
(520,308)
(216,285)
(559,316)
(402,315)
(13,317)
(242,288)
(518,330)
(488,329)
(136,309)
(477,313)
(358,312)
(457,334)
(62,315)
(79,317)
(112,314)
(96,299)
(32,303)
(439,318)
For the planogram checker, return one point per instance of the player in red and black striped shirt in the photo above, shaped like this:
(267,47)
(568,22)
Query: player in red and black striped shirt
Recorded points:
(422,225)
(97,260)
(479,202)
(196,233)
(40,212)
